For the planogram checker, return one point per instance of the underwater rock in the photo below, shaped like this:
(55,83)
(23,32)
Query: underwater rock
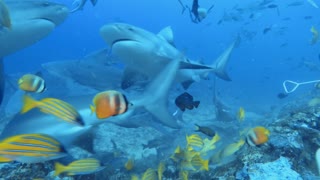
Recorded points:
(279,169)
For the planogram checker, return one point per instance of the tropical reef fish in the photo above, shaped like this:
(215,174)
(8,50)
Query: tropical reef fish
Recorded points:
(185,101)
(109,103)
(32,83)
(5,20)
(149,174)
(257,136)
(31,148)
(205,130)
(315,35)
(146,53)
(227,151)
(161,169)
(78,4)
(241,114)
(31,21)
(129,165)
(79,167)
(56,107)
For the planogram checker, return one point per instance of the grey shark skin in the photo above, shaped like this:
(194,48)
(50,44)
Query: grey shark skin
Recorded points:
(153,100)
(148,53)
(31,21)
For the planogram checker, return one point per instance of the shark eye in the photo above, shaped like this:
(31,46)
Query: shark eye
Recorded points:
(130,29)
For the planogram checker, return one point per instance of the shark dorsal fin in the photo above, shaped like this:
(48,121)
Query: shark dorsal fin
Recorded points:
(167,34)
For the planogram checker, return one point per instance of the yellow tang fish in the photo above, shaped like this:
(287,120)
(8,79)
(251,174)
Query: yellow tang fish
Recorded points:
(32,83)
(79,167)
(315,35)
(109,103)
(30,148)
(53,106)
(241,114)
(5,19)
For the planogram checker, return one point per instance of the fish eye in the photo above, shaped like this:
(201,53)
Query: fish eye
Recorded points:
(130,29)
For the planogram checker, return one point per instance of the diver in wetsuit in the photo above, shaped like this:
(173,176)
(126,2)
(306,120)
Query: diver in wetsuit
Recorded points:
(197,14)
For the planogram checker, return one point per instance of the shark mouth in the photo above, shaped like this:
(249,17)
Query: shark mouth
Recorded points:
(120,40)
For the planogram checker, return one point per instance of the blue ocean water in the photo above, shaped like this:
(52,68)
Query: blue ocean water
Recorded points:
(258,66)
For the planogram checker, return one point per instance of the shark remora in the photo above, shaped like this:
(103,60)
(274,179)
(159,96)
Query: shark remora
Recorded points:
(148,53)
(153,100)
(31,20)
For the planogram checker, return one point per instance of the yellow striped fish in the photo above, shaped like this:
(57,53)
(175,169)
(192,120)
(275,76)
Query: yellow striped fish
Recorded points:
(30,148)
(161,169)
(53,106)
(149,174)
(79,167)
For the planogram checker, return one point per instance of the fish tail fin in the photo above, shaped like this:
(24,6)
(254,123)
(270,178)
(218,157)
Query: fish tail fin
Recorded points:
(156,95)
(196,103)
(221,63)
(4,159)
(28,104)
(92,108)
(205,165)
(59,168)
(197,127)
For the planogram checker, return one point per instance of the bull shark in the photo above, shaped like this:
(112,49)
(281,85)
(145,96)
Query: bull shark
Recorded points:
(147,53)
(153,100)
(31,21)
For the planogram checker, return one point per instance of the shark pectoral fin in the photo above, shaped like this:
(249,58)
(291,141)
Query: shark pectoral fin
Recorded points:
(130,77)
(167,34)
(188,65)
(221,63)
(161,113)
(187,84)
(156,95)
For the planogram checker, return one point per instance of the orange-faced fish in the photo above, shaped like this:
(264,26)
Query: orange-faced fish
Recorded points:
(205,130)
(109,103)
(5,20)
(79,167)
(129,164)
(56,107)
(315,35)
(161,169)
(241,114)
(185,101)
(31,148)
(257,136)
(32,83)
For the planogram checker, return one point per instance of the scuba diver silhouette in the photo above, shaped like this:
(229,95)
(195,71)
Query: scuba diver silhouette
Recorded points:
(197,14)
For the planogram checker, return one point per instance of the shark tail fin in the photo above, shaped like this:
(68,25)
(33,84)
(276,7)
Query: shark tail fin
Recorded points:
(156,95)
(221,63)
